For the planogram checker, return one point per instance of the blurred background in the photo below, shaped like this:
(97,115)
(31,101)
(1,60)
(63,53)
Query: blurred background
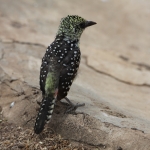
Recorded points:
(115,67)
(122,26)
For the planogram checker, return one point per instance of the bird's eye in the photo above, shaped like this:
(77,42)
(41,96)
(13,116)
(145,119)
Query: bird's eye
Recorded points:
(82,25)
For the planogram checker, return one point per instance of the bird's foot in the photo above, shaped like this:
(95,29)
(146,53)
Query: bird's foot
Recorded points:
(72,107)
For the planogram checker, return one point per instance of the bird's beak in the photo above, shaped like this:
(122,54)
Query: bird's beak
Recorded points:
(89,23)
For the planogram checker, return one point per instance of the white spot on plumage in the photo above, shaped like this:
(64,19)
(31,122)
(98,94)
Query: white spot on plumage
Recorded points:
(53,101)
(71,45)
(50,112)
(49,117)
(52,106)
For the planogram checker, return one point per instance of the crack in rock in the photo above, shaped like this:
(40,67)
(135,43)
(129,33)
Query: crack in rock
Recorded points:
(2,54)
(142,65)
(107,74)
(27,43)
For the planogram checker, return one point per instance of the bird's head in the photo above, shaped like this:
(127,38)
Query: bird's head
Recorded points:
(72,27)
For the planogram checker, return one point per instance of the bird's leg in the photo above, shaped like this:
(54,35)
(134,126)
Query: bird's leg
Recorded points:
(73,106)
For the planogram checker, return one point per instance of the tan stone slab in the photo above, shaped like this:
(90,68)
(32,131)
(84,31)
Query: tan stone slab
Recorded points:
(109,64)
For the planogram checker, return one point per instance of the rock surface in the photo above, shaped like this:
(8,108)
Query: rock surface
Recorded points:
(114,76)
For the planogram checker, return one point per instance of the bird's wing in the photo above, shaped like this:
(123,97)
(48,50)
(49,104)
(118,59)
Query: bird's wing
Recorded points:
(49,65)
(68,72)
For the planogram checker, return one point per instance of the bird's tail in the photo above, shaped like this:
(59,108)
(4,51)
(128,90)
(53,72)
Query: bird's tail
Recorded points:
(45,113)
(49,97)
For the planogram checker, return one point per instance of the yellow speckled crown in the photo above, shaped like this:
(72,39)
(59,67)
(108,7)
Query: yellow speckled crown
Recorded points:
(70,27)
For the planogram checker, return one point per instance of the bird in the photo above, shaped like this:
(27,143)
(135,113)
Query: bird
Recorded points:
(60,66)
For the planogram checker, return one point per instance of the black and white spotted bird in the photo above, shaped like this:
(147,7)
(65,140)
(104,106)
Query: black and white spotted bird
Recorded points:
(59,66)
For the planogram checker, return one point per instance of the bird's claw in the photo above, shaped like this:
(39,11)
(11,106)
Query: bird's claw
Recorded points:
(72,106)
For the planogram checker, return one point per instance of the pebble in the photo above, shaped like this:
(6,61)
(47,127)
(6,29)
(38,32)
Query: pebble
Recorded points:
(21,145)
